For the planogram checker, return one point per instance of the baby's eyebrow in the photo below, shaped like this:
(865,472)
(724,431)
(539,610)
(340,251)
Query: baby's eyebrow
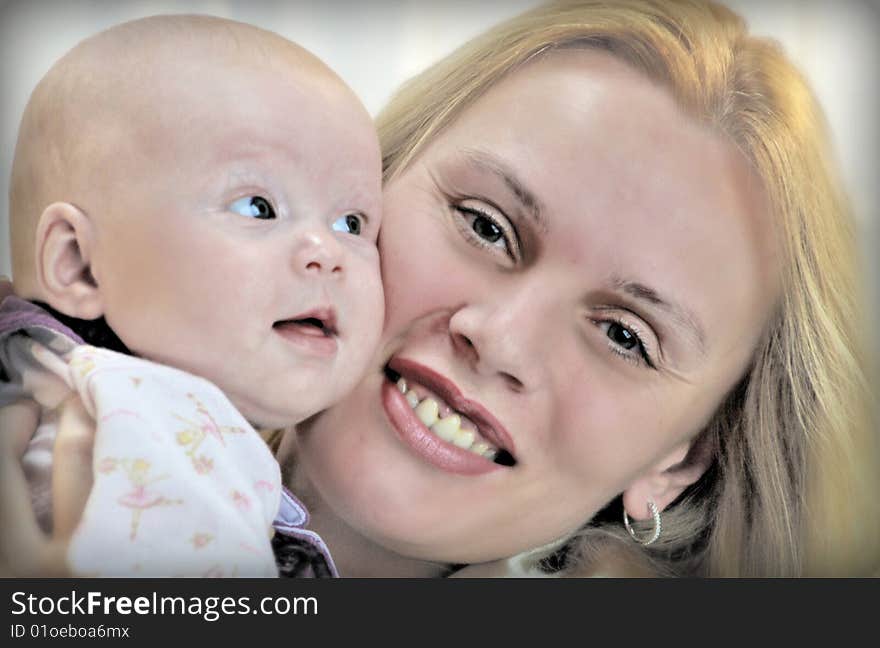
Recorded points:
(486,161)
(682,315)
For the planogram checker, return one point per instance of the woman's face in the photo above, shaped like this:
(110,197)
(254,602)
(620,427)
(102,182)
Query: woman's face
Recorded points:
(577,268)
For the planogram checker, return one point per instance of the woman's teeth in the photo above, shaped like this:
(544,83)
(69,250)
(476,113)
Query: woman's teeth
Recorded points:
(449,428)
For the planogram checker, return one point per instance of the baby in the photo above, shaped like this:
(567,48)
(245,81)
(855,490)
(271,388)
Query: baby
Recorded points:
(202,196)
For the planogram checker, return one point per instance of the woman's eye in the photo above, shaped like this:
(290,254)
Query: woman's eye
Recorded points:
(253,207)
(350,224)
(485,231)
(622,336)
(626,342)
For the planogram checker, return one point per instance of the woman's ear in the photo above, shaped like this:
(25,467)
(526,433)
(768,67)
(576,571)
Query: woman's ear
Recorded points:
(668,479)
(64,245)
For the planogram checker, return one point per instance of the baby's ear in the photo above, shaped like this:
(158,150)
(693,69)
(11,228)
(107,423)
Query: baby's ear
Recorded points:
(64,247)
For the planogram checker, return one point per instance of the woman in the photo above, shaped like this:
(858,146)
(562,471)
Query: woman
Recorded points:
(619,270)
(643,181)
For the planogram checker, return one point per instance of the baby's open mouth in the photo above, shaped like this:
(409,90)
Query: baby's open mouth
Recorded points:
(319,323)
(449,424)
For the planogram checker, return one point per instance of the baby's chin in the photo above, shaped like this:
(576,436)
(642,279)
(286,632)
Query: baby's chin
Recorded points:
(270,419)
(297,408)
(288,399)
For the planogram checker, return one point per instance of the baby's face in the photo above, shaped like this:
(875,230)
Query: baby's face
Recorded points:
(238,238)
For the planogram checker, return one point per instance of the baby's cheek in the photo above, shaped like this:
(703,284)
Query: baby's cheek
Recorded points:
(362,309)
(369,323)
(369,288)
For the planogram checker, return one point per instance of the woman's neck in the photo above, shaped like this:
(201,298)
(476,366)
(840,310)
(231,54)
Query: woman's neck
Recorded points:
(359,557)
(354,554)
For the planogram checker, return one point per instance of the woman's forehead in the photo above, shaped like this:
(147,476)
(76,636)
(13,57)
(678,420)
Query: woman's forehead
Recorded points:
(587,101)
(581,129)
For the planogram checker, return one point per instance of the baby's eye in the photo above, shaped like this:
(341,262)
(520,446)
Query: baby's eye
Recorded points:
(254,207)
(350,224)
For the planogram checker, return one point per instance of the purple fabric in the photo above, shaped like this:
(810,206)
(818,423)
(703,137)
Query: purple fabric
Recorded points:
(17,314)
(291,521)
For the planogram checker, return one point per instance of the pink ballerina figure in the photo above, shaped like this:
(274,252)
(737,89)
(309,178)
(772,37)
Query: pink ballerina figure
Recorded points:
(196,432)
(141,497)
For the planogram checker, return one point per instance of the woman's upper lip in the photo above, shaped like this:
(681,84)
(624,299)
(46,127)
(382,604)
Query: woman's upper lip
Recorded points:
(489,426)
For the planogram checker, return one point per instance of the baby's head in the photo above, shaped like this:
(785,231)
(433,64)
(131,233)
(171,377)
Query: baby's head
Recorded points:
(212,190)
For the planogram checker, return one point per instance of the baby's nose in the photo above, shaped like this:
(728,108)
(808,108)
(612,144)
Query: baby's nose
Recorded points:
(318,253)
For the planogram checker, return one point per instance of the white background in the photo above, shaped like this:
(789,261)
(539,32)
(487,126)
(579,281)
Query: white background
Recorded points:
(376,44)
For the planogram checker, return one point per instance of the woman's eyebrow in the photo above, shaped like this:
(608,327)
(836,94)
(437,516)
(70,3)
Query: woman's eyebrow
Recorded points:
(682,316)
(485,161)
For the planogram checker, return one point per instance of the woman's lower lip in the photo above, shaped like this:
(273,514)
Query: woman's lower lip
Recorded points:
(307,338)
(426,445)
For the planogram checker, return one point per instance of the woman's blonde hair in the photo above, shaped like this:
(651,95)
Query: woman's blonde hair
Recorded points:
(792,489)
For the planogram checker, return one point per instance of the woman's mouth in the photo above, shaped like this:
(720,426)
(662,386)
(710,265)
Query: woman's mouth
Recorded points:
(432,416)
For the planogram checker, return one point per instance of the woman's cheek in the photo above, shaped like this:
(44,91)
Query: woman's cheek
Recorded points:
(423,289)
(419,270)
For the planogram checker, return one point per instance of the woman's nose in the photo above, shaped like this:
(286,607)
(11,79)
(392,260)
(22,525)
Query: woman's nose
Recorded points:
(318,253)
(500,337)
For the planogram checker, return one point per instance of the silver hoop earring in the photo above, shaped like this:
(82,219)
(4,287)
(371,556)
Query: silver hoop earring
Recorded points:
(655,535)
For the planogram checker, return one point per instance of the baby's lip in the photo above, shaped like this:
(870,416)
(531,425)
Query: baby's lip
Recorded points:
(322,318)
